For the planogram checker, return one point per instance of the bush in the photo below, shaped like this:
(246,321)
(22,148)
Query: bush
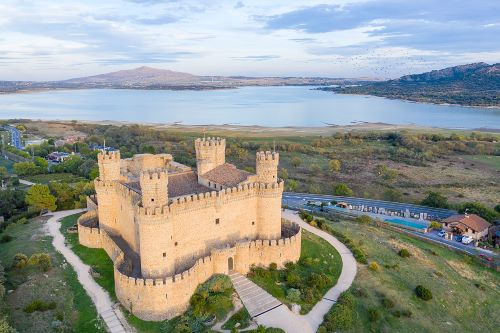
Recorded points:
(373,315)
(38,305)
(423,293)
(6,238)
(406,313)
(404,253)
(293,295)
(341,315)
(20,260)
(319,281)
(435,225)
(387,303)
(374,266)
(42,259)
(273,266)
(364,219)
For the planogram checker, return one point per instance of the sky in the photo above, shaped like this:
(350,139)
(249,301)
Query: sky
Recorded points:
(54,39)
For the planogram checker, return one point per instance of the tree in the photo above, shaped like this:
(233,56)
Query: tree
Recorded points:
(435,199)
(283,173)
(478,209)
(26,169)
(41,163)
(4,174)
(11,201)
(38,198)
(497,209)
(292,185)
(393,195)
(296,161)
(342,189)
(334,165)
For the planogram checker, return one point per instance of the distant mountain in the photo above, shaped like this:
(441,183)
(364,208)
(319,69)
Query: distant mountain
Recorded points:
(153,78)
(475,84)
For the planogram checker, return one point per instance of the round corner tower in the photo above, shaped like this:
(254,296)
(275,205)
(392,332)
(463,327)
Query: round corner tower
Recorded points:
(210,153)
(266,166)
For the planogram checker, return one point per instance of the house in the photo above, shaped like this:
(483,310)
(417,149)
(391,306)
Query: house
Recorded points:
(57,157)
(467,224)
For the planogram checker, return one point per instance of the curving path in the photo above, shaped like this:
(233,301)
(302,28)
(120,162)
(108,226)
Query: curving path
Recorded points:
(112,316)
(285,319)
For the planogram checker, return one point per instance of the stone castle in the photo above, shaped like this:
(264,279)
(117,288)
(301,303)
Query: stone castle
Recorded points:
(169,228)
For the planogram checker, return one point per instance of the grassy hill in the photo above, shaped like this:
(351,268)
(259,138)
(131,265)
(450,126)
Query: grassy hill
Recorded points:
(475,84)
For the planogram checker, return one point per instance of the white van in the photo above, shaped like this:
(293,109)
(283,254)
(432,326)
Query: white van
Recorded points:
(467,240)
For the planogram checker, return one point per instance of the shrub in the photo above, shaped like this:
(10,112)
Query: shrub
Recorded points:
(404,253)
(293,295)
(320,280)
(373,315)
(341,315)
(423,293)
(38,305)
(387,303)
(20,260)
(42,259)
(6,238)
(435,225)
(273,266)
(407,313)
(374,266)
(364,219)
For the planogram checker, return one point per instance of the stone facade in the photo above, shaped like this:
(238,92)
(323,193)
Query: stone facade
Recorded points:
(168,228)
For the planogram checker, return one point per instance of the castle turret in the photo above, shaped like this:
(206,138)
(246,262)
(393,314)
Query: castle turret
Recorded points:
(154,188)
(105,187)
(109,165)
(266,166)
(210,153)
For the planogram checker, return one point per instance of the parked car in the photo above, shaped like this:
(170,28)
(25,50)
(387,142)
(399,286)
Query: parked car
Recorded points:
(467,239)
(459,238)
(484,256)
(442,233)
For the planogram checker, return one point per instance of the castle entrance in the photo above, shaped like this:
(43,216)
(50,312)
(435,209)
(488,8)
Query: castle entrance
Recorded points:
(230,264)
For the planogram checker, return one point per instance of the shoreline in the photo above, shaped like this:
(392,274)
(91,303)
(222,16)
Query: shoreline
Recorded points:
(328,129)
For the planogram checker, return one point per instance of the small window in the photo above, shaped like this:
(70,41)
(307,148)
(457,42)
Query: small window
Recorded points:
(217,221)
(164,254)
(152,200)
(175,243)
(209,184)
(253,222)
(166,295)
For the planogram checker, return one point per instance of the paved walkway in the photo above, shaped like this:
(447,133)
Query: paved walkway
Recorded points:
(112,315)
(268,311)
(256,300)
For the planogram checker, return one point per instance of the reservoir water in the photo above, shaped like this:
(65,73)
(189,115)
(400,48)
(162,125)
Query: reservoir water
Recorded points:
(264,106)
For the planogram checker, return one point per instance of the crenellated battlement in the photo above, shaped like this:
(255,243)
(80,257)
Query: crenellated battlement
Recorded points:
(155,174)
(209,142)
(268,156)
(109,156)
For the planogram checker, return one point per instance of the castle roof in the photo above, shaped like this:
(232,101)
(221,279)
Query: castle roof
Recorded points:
(179,184)
(227,175)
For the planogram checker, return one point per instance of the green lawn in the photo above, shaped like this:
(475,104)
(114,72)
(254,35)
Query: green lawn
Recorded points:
(242,317)
(317,257)
(466,295)
(59,284)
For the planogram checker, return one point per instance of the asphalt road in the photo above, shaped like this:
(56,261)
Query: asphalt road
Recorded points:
(298,200)
(15,137)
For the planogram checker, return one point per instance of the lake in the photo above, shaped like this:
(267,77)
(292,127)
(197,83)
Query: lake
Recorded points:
(264,106)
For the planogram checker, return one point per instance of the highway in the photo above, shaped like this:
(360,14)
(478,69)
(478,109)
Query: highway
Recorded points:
(298,200)
(15,137)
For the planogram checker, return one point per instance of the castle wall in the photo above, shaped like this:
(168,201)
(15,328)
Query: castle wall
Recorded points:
(126,220)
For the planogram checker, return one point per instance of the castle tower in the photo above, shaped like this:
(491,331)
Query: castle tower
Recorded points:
(210,153)
(109,165)
(105,187)
(267,167)
(154,188)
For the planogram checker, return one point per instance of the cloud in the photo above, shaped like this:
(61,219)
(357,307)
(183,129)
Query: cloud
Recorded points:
(257,57)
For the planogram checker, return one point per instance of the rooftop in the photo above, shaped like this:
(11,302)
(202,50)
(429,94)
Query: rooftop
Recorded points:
(226,175)
(472,221)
